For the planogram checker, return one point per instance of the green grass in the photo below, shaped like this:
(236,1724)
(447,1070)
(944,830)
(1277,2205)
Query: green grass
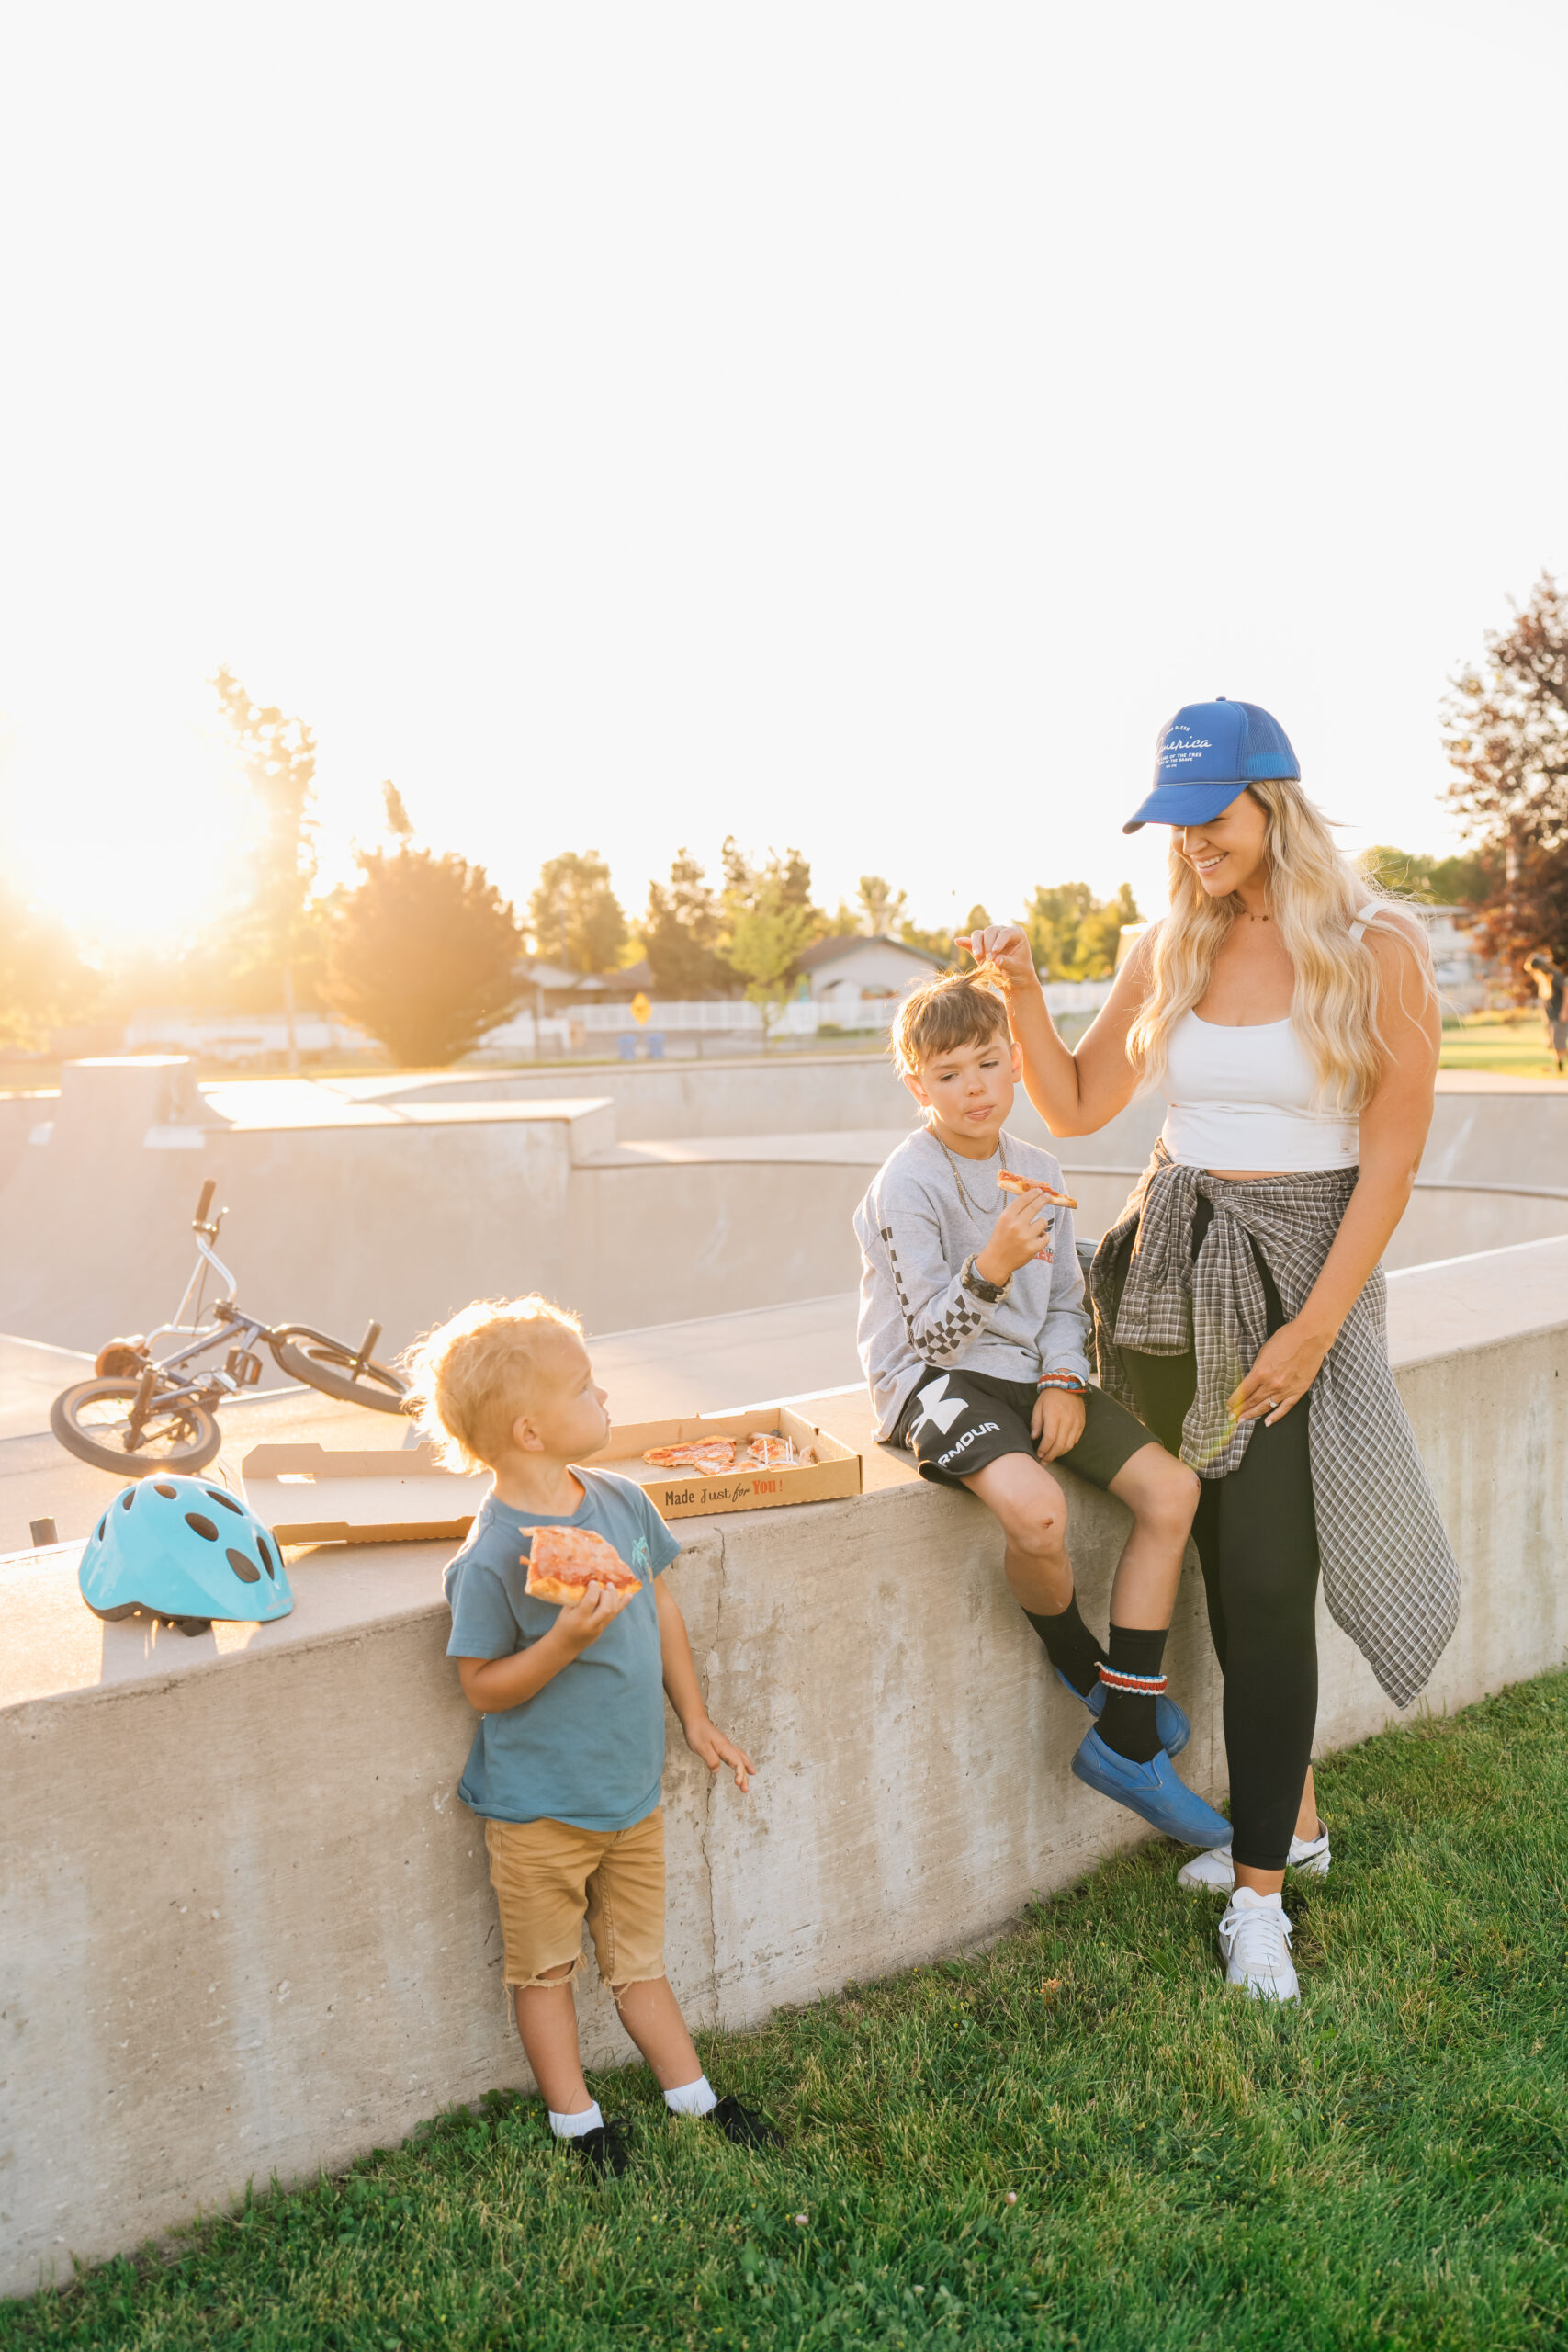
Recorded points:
(1518,1047)
(1382,2166)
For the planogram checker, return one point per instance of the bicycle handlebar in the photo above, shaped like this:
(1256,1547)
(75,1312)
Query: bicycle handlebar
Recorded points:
(205,1203)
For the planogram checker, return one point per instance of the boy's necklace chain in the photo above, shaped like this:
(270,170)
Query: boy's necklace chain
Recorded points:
(958,1178)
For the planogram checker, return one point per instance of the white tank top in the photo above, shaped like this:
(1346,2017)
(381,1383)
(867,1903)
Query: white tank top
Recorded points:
(1245,1097)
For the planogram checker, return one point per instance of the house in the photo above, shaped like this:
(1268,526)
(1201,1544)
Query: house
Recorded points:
(840,970)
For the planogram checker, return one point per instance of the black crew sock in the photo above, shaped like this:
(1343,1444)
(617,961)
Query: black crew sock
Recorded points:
(1070,1647)
(1127,1725)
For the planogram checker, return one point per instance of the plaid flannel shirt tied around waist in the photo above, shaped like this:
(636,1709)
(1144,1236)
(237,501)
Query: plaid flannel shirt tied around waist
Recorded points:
(1389,1574)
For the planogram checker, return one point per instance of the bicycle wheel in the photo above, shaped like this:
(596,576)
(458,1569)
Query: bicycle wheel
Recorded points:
(329,1365)
(93,1421)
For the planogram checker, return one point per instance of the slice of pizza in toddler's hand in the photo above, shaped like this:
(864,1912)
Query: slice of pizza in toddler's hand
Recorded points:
(564,1561)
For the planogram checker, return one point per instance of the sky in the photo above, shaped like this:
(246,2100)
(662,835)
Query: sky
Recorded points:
(852,425)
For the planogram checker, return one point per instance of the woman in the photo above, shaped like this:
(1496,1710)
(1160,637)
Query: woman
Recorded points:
(1289,1020)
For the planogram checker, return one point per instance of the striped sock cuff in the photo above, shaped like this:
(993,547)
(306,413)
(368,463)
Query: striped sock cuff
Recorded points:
(1142,1686)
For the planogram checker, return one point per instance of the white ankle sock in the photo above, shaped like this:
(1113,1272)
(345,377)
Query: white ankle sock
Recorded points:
(572,2127)
(693,2099)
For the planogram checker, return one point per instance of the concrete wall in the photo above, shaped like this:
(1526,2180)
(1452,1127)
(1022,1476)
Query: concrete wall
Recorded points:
(247,1926)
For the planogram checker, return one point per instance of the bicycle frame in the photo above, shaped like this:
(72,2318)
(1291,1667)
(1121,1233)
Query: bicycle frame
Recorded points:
(229,1325)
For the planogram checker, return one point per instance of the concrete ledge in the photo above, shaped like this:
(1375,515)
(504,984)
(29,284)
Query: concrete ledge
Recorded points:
(247,1925)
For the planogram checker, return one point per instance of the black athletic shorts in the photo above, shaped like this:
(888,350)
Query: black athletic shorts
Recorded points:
(956,1422)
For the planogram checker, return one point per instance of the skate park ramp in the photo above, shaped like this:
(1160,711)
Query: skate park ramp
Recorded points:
(398,1199)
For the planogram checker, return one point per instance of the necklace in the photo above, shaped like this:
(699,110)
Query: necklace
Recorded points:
(958,1178)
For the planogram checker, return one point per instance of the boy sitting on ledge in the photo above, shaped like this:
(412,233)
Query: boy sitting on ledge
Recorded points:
(973,1333)
(566,1764)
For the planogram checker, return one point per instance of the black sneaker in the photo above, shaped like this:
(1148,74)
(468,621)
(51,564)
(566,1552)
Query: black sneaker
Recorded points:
(606,2147)
(743,2125)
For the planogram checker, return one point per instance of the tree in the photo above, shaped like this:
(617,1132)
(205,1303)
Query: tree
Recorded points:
(682,930)
(975,919)
(1072,934)
(1506,739)
(277,757)
(881,909)
(575,917)
(44,981)
(771,921)
(938,943)
(423,952)
(1434,881)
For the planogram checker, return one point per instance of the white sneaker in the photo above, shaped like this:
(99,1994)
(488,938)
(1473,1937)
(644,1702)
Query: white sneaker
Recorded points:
(1254,1943)
(1215,1870)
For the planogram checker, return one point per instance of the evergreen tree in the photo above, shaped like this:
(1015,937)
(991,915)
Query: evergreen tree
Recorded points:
(423,952)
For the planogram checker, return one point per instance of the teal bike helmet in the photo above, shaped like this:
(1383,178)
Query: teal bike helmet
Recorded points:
(186,1552)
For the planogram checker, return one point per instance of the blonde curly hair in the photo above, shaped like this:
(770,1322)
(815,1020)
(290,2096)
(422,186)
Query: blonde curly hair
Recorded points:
(470,1377)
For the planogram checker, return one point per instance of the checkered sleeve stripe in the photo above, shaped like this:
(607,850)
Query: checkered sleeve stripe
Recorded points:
(944,1332)
(1389,1573)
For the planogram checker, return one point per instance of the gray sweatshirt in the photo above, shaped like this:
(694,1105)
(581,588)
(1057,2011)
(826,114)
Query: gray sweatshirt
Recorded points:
(915,1230)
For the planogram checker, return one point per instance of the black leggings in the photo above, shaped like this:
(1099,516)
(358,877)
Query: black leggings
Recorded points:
(1256,1537)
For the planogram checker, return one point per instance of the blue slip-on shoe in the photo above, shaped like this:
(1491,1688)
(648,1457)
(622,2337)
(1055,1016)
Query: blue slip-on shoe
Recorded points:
(1172,1725)
(1154,1790)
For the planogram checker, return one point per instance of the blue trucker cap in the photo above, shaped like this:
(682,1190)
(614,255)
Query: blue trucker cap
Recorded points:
(1207,754)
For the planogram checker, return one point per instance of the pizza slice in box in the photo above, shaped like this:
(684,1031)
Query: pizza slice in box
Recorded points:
(766,1452)
(709,1455)
(564,1561)
(1023,1185)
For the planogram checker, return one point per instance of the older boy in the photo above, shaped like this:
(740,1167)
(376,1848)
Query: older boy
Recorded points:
(972,1333)
(566,1764)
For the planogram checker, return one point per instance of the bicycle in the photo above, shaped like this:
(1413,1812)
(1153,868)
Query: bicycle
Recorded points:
(143,1412)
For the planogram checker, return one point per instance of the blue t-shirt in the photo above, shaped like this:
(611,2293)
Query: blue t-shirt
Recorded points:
(588,1747)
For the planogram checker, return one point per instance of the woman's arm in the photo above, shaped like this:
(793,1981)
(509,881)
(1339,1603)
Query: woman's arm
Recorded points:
(1076,1093)
(1394,1135)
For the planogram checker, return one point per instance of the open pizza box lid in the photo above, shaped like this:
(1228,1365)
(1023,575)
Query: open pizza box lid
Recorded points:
(308,1494)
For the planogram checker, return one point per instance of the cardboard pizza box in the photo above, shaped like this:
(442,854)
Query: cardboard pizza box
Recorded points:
(686,1494)
(309,1493)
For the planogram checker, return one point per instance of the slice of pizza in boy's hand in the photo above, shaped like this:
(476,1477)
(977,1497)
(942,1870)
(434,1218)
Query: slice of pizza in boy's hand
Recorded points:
(1024,1185)
(564,1561)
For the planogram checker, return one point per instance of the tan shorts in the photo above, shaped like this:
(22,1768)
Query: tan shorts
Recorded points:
(550,1877)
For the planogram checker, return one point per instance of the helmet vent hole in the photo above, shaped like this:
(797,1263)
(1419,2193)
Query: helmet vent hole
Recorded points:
(246,1570)
(267,1556)
(201,1525)
(102,1524)
(168,1493)
(127,1499)
(216,1496)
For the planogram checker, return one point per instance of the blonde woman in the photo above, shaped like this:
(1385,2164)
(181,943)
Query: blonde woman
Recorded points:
(1287,1013)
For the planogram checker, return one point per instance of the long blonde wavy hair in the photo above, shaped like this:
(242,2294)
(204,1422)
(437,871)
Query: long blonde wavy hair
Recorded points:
(1314,892)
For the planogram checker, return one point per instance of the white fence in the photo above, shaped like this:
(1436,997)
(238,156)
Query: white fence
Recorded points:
(737,1017)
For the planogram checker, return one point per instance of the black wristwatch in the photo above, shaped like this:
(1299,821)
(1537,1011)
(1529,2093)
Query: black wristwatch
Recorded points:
(975,1283)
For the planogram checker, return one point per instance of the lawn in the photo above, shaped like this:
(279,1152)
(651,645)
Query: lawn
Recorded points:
(1383,2166)
(1517,1046)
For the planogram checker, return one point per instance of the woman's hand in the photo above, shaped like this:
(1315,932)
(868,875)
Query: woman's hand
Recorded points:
(705,1738)
(1283,1370)
(1005,946)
